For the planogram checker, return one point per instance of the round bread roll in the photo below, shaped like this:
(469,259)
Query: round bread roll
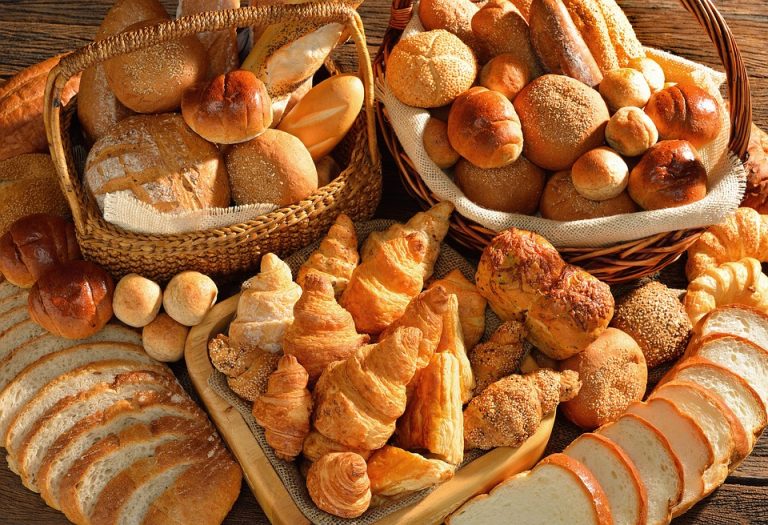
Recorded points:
(631,132)
(651,70)
(164,339)
(670,174)
(231,108)
(437,145)
(483,127)
(73,300)
(274,167)
(562,119)
(137,300)
(516,188)
(685,112)
(430,69)
(600,174)
(160,161)
(153,80)
(507,74)
(624,87)
(654,316)
(561,202)
(189,296)
(613,375)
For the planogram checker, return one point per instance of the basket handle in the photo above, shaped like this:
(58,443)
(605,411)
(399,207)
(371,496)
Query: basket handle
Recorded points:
(123,43)
(710,19)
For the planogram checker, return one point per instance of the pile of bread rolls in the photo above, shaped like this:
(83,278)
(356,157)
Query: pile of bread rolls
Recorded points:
(552,106)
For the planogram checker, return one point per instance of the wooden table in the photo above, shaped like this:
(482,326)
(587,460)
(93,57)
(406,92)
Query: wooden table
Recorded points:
(31,30)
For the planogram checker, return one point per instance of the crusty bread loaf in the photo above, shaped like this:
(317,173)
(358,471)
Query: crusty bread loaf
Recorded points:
(220,46)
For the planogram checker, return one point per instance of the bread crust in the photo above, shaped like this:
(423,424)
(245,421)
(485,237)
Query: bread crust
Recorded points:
(588,481)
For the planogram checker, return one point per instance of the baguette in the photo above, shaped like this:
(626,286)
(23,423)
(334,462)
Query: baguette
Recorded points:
(589,20)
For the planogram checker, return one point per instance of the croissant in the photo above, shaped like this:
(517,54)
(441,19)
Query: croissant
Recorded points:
(359,400)
(500,356)
(434,222)
(317,445)
(322,331)
(510,410)
(452,342)
(433,419)
(336,257)
(743,234)
(265,308)
(382,286)
(741,282)
(471,305)
(285,408)
(338,484)
(247,369)
(397,472)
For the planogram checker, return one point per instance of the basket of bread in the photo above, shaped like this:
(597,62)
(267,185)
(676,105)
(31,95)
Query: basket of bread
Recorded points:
(191,159)
(551,116)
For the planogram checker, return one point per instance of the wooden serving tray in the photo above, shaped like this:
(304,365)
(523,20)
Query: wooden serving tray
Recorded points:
(478,477)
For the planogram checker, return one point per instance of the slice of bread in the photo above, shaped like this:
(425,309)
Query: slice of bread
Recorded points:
(19,334)
(688,443)
(558,491)
(735,319)
(12,301)
(652,455)
(13,317)
(7,289)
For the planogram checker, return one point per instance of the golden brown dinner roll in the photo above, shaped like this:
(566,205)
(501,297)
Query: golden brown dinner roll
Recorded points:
(600,174)
(274,167)
(561,202)
(437,145)
(430,69)
(613,374)
(484,128)
(506,74)
(230,109)
(189,296)
(561,119)
(685,112)
(153,80)
(164,339)
(631,132)
(670,174)
(137,300)
(515,188)
(454,16)
(327,170)
(624,87)
(502,29)
(651,70)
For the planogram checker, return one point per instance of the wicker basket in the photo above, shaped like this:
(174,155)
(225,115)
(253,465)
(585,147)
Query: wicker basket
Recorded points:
(614,264)
(238,248)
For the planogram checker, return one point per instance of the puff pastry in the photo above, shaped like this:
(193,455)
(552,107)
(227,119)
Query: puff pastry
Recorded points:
(317,445)
(338,484)
(336,257)
(452,342)
(471,305)
(395,472)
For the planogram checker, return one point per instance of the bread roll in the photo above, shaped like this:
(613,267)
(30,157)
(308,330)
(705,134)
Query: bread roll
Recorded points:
(29,184)
(524,6)
(437,145)
(454,16)
(516,188)
(670,174)
(625,87)
(685,112)
(484,128)
(600,174)
(589,20)
(34,245)
(160,161)
(613,375)
(153,80)
(506,74)
(73,300)
(561,120)
(125,13)
(631,132)
(137,300)
(229,109)
(164,339)
(430,69)
(274,167)
(220,46)
(502,29)
(189,296)
(327,170)
(651,70)
(561,202)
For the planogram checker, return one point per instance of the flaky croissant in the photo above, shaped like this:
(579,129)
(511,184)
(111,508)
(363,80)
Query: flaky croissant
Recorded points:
(359,400)
(743,234)
(383,285)
(395,472)
(471,305)
(452,342)
(434,222)
(741,282)
(285,408)
(433,420)
(338,484)
(317,445)
(322,331)
(498,357)
(510,410)
(336,257)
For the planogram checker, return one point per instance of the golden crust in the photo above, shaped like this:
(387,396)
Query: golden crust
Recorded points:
(336,257)
(397,472)
(471,305)
(500,356)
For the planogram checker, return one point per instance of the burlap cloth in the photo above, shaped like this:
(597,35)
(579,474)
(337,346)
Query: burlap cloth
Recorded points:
(727,178)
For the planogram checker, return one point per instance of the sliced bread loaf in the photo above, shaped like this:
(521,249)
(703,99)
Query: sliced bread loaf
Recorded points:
(13,317)
(558,491)
(19,334)
(658,466)
(15,300)
(7,289)
(616,474)
(735,319)
(688,443)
